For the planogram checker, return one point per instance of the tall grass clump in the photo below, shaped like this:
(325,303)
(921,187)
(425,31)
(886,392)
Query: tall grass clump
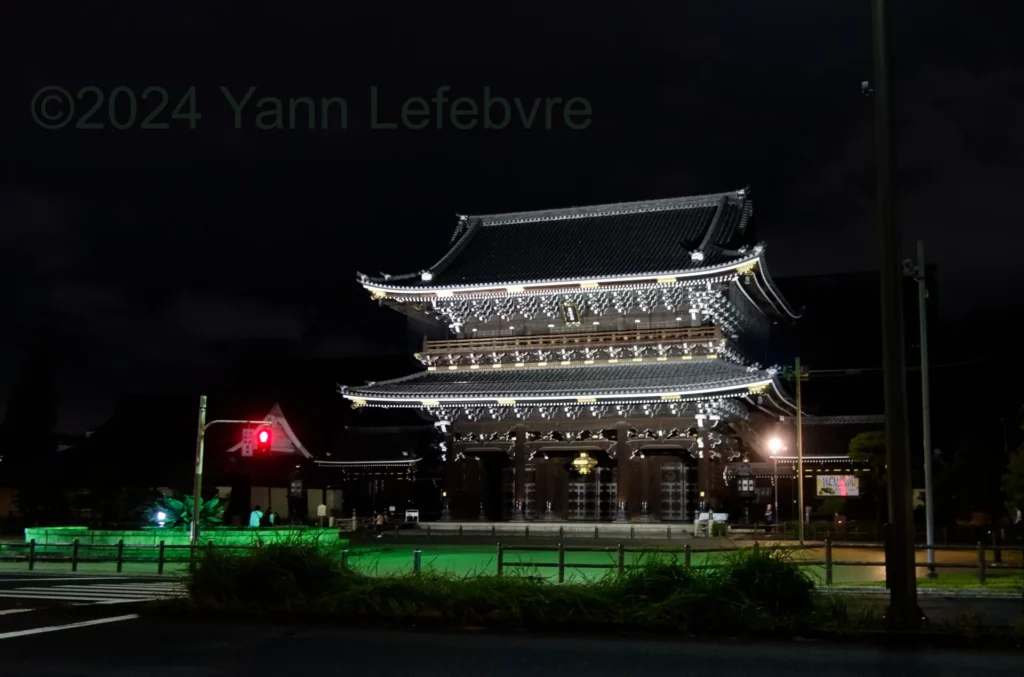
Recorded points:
(296,570)
(761,591)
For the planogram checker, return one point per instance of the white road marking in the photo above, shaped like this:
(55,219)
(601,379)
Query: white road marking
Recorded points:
(126,592)
(69,626)
(5,612)
(33,579)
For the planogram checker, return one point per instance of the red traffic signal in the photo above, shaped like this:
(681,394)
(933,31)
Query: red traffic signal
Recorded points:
(263,439)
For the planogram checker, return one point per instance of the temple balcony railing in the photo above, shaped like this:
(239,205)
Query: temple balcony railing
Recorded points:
(575,341)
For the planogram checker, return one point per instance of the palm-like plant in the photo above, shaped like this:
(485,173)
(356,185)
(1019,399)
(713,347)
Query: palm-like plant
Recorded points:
(178,512)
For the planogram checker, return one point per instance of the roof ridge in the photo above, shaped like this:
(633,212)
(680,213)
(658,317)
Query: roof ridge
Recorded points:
(609,209)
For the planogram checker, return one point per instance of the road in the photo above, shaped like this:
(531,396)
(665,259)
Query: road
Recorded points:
(90,625)
(151,647)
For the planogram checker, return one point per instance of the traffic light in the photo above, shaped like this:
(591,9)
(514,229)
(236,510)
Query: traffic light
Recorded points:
(263,439)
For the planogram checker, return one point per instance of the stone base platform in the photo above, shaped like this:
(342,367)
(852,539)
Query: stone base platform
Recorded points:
(621,530)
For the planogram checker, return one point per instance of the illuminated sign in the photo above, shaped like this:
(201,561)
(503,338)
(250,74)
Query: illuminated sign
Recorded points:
(837,485)
(570,313)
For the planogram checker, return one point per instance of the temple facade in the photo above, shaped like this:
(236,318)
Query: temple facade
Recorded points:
(594,363)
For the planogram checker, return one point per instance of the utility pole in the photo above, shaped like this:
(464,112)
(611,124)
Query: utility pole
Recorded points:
(903,613)
(926,411)
(799,454)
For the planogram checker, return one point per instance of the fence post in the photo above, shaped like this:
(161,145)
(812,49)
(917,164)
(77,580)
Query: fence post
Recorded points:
(344,557)
(828,560)
(561,532)
(981,563)
(501,559)
(997,554)
(686,555)
(32,554)
(120,555)
(74,555)
(416,561)
(160,559)
(622,560)
(561,563)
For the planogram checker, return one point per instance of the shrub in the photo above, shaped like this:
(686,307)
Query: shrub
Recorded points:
(758,592)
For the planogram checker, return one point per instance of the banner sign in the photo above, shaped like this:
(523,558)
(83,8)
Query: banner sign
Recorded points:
(838,485)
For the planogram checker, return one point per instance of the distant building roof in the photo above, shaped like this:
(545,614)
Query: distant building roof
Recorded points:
(686,379)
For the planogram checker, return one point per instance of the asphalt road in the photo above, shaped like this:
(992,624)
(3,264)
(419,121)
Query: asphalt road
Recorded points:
(141,646)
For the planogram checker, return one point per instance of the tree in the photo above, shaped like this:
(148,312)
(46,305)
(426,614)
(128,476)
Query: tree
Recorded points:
(178,511)
(1013,480)
(870,447)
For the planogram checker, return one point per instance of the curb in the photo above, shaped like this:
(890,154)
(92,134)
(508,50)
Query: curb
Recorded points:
(923,592)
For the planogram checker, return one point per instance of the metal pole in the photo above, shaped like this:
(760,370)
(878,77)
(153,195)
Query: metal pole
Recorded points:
(899,566)
(799,456)
(197,487)
(776,483)
(926,411)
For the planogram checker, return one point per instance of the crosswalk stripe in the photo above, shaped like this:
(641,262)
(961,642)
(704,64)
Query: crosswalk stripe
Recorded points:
(114,588)
(39,595)
(102,593)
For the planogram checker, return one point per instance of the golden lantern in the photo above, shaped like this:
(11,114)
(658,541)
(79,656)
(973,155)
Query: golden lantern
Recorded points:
(583,463)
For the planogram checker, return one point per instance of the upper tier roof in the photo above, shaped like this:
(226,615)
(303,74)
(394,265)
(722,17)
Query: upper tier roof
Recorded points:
(623,239)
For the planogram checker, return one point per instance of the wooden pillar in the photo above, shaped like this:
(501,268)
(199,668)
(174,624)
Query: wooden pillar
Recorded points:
(553,477)
(704,477)
(623,463)
(645,488)
(519,495)
(449,475)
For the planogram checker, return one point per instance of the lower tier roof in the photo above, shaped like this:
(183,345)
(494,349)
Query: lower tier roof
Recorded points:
(697,379)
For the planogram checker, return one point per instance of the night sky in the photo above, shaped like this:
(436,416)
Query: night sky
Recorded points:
(155,259)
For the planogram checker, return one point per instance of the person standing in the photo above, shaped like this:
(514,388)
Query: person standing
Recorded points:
(255,517)
(380,524)
(272,518)
(769,520)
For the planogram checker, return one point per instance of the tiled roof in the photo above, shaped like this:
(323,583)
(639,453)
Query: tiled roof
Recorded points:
(690,377)
(632,238)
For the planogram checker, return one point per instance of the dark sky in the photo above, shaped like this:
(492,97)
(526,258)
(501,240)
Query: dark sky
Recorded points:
(155,257)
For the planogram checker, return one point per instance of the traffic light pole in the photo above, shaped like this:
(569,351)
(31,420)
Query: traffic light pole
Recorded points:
(197,485)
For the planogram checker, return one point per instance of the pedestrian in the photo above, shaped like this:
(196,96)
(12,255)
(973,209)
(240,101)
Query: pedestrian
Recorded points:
(272,518)
(769,520)
(380,525)
(255,517)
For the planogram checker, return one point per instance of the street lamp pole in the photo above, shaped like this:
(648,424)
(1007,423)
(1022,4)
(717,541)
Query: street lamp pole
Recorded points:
(799,455)
(775,483)
(899,561)
(197,484)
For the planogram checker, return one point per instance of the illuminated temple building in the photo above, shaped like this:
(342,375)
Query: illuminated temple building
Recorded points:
(594,363)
